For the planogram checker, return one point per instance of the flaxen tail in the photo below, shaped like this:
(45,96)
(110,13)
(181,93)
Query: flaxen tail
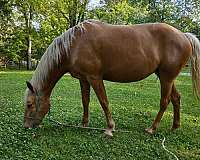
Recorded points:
(195,60)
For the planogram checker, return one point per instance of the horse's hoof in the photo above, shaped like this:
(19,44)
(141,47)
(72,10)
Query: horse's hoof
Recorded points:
(150,131)
(85,124)
(174,127)
(108,132)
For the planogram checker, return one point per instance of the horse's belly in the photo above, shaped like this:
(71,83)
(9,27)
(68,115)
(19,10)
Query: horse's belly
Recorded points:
(125,77)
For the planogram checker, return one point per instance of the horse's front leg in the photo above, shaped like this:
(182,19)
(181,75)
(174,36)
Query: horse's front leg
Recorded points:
(85,92)
(99,89)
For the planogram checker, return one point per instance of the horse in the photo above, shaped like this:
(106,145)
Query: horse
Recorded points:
(94,51)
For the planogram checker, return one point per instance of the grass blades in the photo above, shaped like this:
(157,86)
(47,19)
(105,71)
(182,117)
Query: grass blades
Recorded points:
(134,107)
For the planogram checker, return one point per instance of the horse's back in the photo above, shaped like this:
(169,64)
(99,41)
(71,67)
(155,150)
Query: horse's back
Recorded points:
(130,53)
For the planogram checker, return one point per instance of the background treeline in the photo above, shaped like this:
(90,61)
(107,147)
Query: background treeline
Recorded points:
(27,27)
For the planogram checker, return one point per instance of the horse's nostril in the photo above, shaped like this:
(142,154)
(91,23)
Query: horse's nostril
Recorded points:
(34,125)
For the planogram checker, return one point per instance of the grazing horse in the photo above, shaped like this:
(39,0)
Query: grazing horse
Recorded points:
(94,51)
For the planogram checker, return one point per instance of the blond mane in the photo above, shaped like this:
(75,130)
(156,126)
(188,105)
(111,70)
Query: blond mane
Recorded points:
(52,55)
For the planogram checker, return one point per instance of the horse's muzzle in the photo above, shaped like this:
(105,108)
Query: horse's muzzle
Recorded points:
(31,123)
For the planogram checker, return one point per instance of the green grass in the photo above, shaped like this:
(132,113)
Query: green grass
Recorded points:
(133,105)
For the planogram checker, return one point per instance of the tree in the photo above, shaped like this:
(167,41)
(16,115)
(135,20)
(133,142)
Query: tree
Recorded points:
(29,26)
(73,11)
(6,25)
(119,12)
(23,13)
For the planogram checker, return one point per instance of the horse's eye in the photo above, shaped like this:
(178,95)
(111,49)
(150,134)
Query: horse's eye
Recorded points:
(29,105)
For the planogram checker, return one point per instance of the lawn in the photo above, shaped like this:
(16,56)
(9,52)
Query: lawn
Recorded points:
(133,105)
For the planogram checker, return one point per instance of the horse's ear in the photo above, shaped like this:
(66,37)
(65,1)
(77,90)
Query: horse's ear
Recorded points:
(29,85)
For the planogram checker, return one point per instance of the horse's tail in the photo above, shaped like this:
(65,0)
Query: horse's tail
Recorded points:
(195,61)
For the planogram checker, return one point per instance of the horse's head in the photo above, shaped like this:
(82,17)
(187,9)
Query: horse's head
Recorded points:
(37,106)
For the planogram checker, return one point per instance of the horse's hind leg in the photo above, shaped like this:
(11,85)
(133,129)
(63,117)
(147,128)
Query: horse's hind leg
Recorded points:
(99,89)
(85,92)
(175,99)
(166,88)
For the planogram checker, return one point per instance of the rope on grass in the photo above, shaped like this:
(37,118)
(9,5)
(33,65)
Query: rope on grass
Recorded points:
(74,126)
(163,145)
(90,128)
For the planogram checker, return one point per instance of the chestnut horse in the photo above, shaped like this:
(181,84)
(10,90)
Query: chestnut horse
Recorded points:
(94,51)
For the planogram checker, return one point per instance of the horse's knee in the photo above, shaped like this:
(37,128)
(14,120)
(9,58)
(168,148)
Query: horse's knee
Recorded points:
(163,104)
(175,98)
(163,108)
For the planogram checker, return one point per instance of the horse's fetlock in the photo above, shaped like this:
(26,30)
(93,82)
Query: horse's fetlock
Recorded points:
(111,124)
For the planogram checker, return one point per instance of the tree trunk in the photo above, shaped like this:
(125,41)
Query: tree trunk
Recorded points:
(29,43)
(28,19)
(19,64)
(72,13)
(81,15)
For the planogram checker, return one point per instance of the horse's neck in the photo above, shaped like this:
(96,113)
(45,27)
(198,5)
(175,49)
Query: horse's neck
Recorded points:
(52,80)
(46,85)
(54,62)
